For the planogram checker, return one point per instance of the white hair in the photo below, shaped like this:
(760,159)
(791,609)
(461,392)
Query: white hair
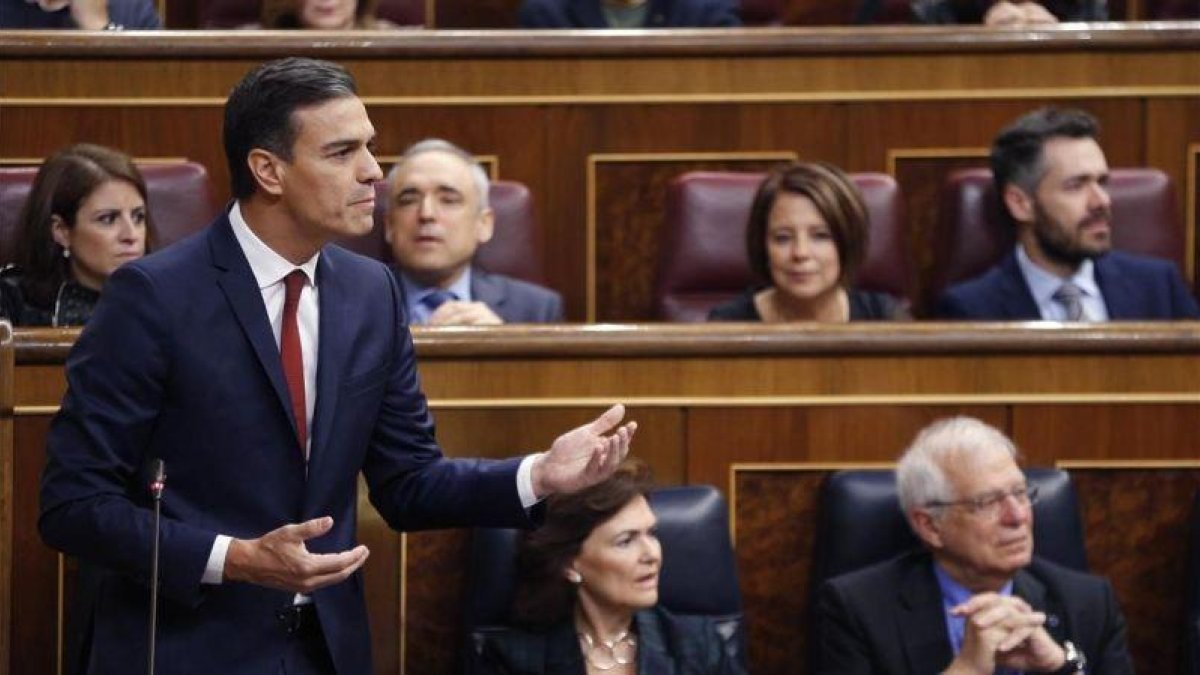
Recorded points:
(438,145)
(920,473)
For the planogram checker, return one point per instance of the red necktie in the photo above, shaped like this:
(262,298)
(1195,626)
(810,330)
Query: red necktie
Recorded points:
(293,357)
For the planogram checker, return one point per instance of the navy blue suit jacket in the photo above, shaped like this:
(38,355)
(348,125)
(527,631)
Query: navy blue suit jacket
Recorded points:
(179,363)
(663,14)
(888,619)
(1134,288)
(514,300)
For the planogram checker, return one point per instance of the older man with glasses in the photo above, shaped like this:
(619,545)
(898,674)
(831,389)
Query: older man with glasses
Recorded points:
(975,600)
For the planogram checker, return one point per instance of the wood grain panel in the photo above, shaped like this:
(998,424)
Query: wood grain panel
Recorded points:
(1066,431)
(776,515)
(720,437)
(35,599)
(1135,522)
(435,582)
(1173,140)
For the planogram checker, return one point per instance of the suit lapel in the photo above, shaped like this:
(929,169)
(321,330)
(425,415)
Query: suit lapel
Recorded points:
(1027,587)
(1018,299)
(1119,296)
(331,353)
(652,655)
(245,298)
(921,623)
(485,289)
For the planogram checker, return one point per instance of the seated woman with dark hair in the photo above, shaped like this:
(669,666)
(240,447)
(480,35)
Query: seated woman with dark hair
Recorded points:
(85,217)
(806,237)
(587,598)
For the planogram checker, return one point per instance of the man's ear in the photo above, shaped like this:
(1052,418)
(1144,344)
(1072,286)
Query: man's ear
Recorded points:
(268,170)
(485,226)
(1019,203)
(927,528)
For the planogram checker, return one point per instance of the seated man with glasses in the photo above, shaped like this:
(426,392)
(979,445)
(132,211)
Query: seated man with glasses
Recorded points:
(976,599)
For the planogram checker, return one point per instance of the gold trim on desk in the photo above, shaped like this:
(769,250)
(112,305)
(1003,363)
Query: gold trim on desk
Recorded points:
(1124,464)
(593,159)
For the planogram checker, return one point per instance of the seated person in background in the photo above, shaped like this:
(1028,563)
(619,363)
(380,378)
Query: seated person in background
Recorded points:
(322,15)
(85,217)
(1050,176)
(587,596)
(1009,12)
(976,600)
(438,215)
(82,14)
(629,14)
(807,236)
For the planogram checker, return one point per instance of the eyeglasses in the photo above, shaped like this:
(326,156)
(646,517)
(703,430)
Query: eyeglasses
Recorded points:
(989,504)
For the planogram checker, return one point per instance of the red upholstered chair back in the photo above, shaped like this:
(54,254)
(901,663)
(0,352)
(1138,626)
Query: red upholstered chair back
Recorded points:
(703,260)
(972,235)
(236,13)
(180,201)
(515,248)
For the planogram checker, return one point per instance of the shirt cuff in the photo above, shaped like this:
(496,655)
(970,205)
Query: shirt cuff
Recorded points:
(525,481)
(214,571)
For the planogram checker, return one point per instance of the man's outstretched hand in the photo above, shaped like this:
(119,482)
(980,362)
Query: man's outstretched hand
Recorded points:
(584,455)
(279,559)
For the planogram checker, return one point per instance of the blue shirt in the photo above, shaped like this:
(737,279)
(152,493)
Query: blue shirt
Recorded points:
(953,595)
(418,312)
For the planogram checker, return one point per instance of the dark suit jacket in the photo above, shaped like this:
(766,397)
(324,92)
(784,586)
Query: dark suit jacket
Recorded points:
(888,618)
(1134,287)
(864,306)
(514,300)
(179,363)
(668,644)
(663,14)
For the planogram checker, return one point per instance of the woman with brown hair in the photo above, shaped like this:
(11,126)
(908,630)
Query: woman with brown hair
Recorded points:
(323,15)
(85,216)
(587,596)
(806,238)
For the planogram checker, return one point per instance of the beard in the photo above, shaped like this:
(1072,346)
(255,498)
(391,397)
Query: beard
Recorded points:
(1064,244)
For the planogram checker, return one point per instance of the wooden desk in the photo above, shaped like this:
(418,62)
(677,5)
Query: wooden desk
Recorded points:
(762,412)
(597,123)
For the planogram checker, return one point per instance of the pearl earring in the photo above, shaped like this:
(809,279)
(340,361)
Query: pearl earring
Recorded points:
(574,577)
(66,252)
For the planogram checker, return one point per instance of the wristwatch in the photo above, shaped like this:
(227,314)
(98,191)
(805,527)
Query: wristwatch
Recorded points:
(1076,662)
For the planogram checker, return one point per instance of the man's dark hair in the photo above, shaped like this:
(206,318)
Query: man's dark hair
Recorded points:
(1017,151)
(259,111)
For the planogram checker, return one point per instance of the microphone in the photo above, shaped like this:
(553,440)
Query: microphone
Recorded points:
(157,485)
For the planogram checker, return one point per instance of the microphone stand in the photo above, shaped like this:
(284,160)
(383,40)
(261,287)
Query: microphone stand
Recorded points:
(156,491)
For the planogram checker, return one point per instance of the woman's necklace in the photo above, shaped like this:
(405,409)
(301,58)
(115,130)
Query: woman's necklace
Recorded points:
(608,654)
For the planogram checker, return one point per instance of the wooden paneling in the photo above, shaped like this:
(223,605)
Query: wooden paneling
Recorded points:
(35,600)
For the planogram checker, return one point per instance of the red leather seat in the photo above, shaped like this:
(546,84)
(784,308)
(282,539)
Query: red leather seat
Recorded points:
(972,234)
(704,263)
(515,248)
(180,201)
(238,13)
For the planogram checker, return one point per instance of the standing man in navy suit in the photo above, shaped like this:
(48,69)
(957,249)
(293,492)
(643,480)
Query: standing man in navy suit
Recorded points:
(437,218)
(267,370)
(1050,175)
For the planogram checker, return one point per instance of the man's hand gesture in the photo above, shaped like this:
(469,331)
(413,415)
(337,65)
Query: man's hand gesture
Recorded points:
(584,455)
